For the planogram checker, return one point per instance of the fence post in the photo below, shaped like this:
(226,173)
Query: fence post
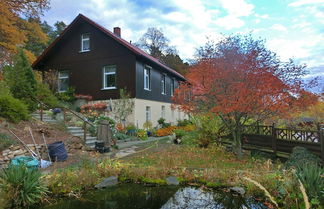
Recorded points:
(274,139)
(84,131)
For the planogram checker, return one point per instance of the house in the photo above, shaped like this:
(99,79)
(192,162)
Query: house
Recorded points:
(98,62)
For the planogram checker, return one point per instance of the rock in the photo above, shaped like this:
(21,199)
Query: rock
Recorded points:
(15,148)
(110,181)
(171,180)
(18,152)
(6,152)
(238,190)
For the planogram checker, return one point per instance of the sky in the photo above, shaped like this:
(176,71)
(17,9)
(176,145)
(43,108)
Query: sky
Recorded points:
(292,28)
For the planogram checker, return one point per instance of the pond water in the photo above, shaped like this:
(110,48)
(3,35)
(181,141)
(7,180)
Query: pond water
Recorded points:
(133,196)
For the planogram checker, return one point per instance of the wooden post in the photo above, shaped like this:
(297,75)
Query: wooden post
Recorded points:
(64,115)
(274,139)
(84,131)
(41,111)
(321,137)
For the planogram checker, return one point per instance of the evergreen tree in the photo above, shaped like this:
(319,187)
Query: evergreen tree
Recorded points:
(21,80)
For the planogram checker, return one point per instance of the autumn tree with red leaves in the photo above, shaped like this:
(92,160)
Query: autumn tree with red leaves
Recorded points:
(239,80)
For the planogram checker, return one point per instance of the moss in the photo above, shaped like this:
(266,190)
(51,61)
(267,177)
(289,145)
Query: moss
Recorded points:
(152,181)
(215,184)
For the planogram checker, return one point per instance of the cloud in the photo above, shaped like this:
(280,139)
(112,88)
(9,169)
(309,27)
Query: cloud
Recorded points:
(279,27)
(230,22)
(299,3)
(237,8)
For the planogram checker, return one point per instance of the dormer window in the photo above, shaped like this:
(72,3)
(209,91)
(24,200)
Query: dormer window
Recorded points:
(85,42)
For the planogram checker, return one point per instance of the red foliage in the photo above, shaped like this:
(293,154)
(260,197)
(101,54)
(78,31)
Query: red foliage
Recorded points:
(252,83)
(81,96)
(239,79)
(97,106)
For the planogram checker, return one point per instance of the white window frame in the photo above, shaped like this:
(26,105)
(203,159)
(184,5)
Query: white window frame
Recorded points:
(104,73)
(163,111)
(172,85)
(147,74)
(60,77)
(163,84)
(148,113)
(85,39)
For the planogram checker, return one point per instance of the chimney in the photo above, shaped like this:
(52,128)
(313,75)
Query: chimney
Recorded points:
(117,31)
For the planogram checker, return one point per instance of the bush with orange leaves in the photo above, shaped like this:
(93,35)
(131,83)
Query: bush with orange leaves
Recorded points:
(169,130)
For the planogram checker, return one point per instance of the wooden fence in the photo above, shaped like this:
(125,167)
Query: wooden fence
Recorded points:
(284,140)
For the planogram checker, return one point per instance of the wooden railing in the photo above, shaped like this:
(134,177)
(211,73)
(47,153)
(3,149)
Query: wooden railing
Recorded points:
(283,139)
(65,111)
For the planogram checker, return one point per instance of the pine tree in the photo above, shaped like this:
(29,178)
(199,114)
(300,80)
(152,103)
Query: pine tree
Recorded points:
(21,80)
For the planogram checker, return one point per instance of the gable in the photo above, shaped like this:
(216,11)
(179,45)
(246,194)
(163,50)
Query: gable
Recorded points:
(70,39)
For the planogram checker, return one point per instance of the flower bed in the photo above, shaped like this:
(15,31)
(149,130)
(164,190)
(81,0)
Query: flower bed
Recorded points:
(170,130)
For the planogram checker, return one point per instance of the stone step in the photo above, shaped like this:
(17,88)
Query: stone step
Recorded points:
(91,143)
(50,121)
(76,131)
(74,128)
(49,118)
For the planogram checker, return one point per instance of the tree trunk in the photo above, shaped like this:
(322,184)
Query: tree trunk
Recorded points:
(237,145)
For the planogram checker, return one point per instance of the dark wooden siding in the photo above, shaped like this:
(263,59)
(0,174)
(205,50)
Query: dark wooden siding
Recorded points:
(155,92)
(86,68)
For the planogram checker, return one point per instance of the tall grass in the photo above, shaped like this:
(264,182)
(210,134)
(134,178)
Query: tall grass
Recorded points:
(21,186)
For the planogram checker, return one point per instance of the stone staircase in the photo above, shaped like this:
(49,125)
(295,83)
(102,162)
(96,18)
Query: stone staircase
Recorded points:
(73,130)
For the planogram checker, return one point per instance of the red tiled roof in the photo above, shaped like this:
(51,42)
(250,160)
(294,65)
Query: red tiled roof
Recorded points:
(128,45)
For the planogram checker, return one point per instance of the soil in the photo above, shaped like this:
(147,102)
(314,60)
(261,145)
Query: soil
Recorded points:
(52,132)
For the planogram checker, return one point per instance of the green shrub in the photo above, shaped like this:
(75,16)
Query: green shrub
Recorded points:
(21,186)
(130,127)
(311,175)
(5,141)
(301,156)
(13,109)
(179,133)
(21,80)
(147,125)
(184,122)
(142,134)
(44,94)
(67,96)
(4,88)
(190,138)
(161,121)
(121,136)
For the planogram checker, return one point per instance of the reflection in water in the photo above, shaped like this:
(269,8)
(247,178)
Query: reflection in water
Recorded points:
(133,196)
(195,198)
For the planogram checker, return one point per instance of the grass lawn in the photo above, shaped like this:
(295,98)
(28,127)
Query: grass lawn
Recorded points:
(212,166)
(207,167)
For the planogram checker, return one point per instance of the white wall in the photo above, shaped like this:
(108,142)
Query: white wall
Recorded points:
(138,117)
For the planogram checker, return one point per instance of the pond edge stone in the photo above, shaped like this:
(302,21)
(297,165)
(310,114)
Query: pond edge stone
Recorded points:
(110,181)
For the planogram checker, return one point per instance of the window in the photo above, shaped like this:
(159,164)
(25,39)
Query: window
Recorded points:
(148,113)
(163,111)
(85,42)
(109,77)
(63,81)
(147,78)
(163,85)
(172,87)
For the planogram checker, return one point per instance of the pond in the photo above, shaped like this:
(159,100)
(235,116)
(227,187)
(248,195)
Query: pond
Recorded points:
(134,196)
